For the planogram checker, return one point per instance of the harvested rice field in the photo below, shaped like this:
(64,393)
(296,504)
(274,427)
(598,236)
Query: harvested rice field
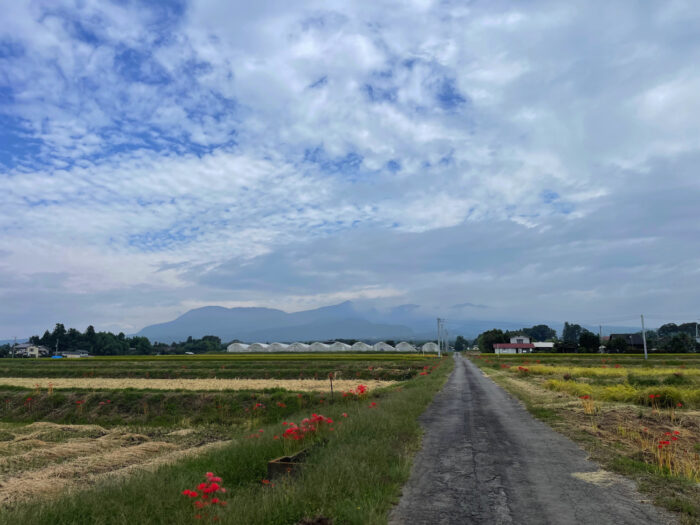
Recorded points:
(101,383)
(73,427)
(46,459)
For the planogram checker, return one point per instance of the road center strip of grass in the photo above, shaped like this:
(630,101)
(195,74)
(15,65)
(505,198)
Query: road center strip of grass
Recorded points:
(353,477)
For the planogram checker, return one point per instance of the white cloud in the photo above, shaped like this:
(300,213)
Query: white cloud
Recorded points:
(151,138)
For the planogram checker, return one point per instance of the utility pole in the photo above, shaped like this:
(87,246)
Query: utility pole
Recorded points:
(13,347)
(439,335)
(55,352)
(644,338)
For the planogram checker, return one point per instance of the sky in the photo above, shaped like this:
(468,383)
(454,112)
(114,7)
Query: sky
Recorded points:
(533,161)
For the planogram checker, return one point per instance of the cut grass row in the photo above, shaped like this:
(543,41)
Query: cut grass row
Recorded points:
(354,477)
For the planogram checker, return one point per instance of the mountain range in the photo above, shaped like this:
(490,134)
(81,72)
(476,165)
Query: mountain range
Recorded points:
(341,321)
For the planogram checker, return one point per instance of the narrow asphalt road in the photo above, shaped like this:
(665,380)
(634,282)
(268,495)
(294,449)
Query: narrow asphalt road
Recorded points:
(486,460)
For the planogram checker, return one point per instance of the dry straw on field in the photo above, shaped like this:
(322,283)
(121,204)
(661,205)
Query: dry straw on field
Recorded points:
(104,383)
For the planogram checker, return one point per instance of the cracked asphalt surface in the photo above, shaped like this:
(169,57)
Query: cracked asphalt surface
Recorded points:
(486,460)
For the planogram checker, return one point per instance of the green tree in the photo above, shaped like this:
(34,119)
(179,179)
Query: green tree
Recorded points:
(540,332)
(617,345)
(461,344)
(588,341)
(571,333)
(680,343)
(487,339)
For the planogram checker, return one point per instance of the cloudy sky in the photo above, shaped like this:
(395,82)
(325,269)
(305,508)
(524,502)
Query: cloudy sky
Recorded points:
(526,160)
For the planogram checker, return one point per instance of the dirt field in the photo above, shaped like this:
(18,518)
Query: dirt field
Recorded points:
(104,383)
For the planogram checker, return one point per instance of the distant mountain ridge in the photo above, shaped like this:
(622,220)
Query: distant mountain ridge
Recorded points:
(341,321)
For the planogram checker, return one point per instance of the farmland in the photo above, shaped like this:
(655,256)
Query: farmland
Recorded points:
(636,417)
(90,432)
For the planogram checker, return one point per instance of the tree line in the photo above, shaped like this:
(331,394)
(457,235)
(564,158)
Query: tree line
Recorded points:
(61,340)
(668,338)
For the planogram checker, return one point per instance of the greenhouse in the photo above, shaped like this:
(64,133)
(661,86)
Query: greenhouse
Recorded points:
(339,347)
(361,347)
(278,347)
(258,347)
(298,347)
(383,347)
(237,347)
(319,347)
(430,348)
(403,346)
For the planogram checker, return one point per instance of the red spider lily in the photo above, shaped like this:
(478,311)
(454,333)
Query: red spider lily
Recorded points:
(424,373)
(372,404)
(651,396)
(679,405)
(261,430)
(79,402)
(677,432)
(275,437)
(300,395)
(674,438)
(344,414)
(258,406)
(265,482)
(206,499)
(281,405)
(585,397)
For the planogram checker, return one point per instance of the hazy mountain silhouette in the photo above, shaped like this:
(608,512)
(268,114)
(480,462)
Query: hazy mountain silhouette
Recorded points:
(340,321)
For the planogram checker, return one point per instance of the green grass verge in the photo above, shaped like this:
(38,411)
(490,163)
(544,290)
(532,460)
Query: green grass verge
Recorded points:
(353,478)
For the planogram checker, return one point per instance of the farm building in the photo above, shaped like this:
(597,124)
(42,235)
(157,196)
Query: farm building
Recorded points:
(519,344)
(237,347)
(361,347)
(430,348)
(634,340)
(403,346)
(544,346)
(383,347)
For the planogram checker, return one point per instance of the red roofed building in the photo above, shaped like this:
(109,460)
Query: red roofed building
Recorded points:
(519,344)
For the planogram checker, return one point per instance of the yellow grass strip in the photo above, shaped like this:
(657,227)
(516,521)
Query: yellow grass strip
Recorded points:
(104,383)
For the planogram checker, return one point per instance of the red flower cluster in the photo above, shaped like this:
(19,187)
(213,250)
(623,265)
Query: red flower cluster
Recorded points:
(258,406)
(308,427)
(361,390)
(206,497)
(585,397)
(523,369)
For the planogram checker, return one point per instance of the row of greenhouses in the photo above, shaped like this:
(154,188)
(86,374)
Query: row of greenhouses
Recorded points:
(403,347)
